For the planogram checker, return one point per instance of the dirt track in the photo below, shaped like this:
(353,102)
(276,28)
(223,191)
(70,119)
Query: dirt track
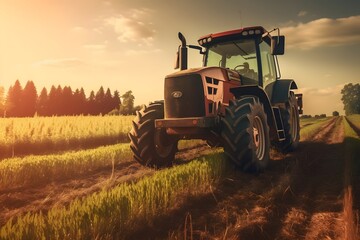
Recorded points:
(300,196)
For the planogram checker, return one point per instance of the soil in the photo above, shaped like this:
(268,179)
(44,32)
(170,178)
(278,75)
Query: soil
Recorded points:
(300,196)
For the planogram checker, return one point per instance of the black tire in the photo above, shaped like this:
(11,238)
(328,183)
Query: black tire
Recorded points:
(291,121)
(213,140)
(151,147)
(245,134)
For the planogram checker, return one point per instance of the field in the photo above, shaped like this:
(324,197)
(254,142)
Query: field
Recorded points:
(73,178)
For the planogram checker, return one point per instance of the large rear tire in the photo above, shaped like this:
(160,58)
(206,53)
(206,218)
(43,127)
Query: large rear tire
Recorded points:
(151,147)
(291,121)
(245,134)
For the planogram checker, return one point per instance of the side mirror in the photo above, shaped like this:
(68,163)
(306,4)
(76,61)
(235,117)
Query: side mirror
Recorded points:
(197,48)
(278,45)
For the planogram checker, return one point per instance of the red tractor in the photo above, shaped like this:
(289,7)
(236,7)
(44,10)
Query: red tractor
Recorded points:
(236,100)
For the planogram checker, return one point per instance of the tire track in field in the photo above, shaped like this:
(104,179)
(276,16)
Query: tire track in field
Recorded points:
(316,205)
(15,202)
(328,133)
(298,197)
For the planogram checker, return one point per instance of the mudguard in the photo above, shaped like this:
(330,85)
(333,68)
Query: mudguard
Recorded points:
(281,90)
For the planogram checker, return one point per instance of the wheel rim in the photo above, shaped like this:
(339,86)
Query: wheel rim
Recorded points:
(259,138)
(293,124)
(163,145)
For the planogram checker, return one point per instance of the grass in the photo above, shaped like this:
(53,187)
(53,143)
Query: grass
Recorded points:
(310,130)
(309,121)
(22,136)
(41,135)
(108,214)
(352,170)
(355,120)
(34,170)
(188,144)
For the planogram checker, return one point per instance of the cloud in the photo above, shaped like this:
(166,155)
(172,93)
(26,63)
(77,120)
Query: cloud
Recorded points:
(107,3)
(302,13)
(95,46)
(323,32)
(133,26)
(328,91)
(78,29)
(59,62)
(132,52)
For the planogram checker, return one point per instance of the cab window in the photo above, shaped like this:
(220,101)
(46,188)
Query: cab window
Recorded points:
(238,55)
(267,63)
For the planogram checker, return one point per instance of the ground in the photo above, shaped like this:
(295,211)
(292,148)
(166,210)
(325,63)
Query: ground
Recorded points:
(302,195)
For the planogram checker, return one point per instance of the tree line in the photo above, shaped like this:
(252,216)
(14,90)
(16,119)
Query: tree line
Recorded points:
(61,101)
(351,98)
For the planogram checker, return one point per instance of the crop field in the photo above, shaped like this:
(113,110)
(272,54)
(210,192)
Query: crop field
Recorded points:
(46,134)
(74,178)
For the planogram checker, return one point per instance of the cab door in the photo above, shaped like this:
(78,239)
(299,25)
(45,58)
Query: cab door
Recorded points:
(268,68)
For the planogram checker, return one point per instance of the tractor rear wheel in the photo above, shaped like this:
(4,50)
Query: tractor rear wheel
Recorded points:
(245,134)
(151,147)
(291,121)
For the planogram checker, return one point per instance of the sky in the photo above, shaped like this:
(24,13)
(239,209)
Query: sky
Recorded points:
(131,44)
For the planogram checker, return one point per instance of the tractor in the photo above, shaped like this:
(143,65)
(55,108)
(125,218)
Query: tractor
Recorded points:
(236,101)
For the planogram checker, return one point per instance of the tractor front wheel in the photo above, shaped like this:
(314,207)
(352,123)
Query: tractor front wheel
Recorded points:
(245,134)
(151,147)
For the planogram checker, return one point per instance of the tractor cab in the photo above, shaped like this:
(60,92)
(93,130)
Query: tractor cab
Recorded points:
(251,52)
(235,100)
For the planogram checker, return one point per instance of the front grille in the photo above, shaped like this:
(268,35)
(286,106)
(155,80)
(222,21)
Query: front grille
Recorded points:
(191,102)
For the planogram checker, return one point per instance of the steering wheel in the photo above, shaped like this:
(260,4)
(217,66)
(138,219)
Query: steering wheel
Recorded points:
(242,65)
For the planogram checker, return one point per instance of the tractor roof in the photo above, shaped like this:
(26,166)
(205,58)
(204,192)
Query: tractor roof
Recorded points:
(230,35)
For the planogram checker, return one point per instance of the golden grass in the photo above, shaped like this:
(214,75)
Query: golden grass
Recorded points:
(355,120)
(309,121)
(109,213)
(308,131)
(19,136)
(33,170)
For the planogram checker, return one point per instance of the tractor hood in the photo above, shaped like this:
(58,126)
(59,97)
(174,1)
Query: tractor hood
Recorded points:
(197,92)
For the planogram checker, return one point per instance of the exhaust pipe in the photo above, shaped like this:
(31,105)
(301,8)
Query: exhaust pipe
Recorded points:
(183,53)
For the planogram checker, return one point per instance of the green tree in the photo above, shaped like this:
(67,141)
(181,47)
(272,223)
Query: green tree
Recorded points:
(2,101)
(42,103)
(52,106)
(14,100)
(108,101)
(116,100)
(127,105)
(351,98)
(66,102)
(91,104)
(99,99)
(82,101)
(29,99)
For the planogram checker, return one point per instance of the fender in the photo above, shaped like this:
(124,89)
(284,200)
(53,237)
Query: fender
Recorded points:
(281,90)
(258,92)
